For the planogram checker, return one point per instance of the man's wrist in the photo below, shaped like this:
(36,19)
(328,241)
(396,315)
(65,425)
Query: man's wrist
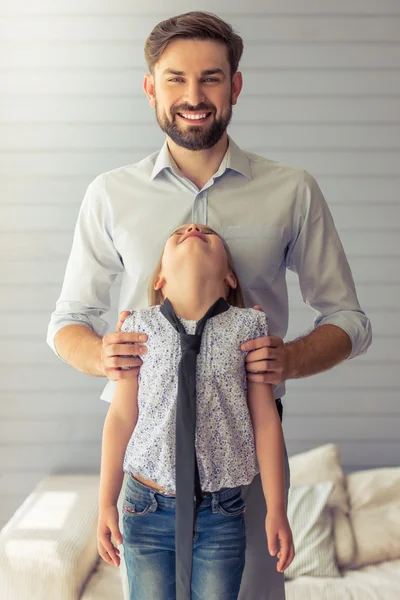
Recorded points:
(99,366)
(288,362)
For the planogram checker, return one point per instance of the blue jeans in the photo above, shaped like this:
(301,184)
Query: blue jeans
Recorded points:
(219,544)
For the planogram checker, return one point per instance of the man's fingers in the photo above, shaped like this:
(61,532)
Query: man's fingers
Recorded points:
(122,316)
(124,337)
(272,341)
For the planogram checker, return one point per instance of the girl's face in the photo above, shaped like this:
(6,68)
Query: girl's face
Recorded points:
(199,248)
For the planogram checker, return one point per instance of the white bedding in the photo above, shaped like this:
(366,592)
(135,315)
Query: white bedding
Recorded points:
(375,582)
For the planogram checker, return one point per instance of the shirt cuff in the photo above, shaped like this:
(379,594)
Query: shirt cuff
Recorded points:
(356,325)
(94,323)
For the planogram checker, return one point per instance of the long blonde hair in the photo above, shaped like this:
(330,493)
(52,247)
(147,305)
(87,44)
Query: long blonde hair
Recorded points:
(234,297)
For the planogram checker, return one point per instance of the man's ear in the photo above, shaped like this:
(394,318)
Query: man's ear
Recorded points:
(148,87)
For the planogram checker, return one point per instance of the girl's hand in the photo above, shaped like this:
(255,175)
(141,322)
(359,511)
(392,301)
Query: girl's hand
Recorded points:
(277,527)
(107,527)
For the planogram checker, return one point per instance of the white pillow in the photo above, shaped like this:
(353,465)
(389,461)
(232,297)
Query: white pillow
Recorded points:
(323,464)
(375,514)
(310,519)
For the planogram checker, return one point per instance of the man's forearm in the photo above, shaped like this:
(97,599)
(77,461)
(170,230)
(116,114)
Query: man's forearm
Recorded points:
(80,346)
(318,351)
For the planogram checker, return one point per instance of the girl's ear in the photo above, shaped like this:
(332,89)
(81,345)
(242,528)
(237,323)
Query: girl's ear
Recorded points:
(231,280)
(159,282)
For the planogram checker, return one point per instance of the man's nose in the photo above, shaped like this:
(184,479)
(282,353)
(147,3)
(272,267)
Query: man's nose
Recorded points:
(194,94)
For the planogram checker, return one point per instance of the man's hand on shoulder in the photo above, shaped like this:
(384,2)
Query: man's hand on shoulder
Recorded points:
(265,362)
(120,351)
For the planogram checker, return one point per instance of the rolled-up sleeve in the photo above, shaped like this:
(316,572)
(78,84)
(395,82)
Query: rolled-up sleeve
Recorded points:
(316,254)
(92,267)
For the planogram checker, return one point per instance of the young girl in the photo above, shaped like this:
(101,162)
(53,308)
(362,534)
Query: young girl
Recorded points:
(238,433)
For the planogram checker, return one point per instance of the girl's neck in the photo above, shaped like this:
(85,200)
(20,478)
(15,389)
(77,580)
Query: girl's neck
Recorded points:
(193,304)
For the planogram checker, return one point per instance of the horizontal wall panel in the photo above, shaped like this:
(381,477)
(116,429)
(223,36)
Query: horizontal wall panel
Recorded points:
(51,405)
(86,458)
(44,190)
(72,457)
(35,272)
(71,429)
(59,404)
(129,54)
(41,246)
(359,190)
(9,504)
(14,352)
(88,430)
(357,455)
(63,218)
(60,377)
(128,82)
(33,350)
(354,374)
(364,269)
(43,297)
(20,481)
(26,324)
(284,28)
(16,164)
(157,7)
(63,137)
(321,92)
(363,428)
(324,403)
(112,109)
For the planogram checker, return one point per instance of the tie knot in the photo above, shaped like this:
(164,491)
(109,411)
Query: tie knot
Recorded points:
(190,342)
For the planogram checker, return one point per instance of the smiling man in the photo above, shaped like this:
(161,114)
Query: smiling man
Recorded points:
(273,216)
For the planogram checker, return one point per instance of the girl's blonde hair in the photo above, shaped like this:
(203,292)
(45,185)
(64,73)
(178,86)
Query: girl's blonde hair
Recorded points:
(235,295)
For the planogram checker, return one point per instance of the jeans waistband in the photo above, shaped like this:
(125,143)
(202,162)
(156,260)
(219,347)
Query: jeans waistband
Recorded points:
(146,491)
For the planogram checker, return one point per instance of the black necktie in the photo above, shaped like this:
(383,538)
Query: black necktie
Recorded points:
(188,487)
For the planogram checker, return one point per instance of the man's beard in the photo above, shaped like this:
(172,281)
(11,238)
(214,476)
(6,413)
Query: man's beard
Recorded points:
(195,137)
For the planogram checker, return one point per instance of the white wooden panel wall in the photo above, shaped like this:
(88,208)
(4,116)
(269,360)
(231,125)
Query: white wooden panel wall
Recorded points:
(321,91)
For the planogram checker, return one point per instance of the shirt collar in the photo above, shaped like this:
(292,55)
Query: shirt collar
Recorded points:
(234,159)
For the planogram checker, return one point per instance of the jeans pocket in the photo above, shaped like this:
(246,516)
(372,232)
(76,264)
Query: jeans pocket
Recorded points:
(136,507)
(233,506)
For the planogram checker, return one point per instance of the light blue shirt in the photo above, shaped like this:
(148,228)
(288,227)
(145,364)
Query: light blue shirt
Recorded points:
(273,216)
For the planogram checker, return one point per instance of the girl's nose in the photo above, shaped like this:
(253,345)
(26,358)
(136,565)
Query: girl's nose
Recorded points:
(193,226)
